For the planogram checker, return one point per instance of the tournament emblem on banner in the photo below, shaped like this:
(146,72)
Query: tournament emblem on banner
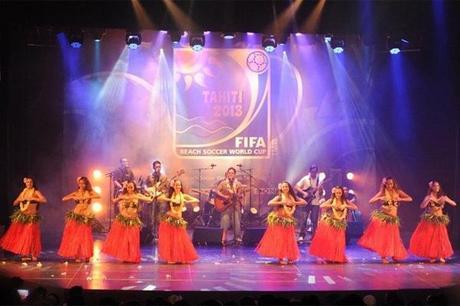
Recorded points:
(222,103)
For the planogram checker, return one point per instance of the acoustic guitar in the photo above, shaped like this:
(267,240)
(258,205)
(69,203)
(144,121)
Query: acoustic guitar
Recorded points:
(221,204)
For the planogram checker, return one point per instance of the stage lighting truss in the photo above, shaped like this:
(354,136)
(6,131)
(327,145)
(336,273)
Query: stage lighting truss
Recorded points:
(75,38)
(269,42)
(133,39)
(337,44)
(197,42)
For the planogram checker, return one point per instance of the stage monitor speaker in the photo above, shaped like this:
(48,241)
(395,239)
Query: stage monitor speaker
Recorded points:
(207,235)
(252,235)
(354,230)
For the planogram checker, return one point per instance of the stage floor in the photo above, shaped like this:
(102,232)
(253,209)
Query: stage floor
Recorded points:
(236,269)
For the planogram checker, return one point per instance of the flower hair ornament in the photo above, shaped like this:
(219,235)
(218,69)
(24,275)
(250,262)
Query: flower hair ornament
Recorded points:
(24,180)
(79,178)
(279,186)
(430,184)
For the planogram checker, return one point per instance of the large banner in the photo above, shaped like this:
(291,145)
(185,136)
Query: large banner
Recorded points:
(221,103)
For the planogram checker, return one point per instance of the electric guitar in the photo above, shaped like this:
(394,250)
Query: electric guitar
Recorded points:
(311,192)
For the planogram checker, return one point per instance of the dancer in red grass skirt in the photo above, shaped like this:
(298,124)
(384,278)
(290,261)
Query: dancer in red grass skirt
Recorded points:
(77,239)
(174,244)
(382,234)
(279,240)
(23,235)
(329,239)
(430,239)
(123,240)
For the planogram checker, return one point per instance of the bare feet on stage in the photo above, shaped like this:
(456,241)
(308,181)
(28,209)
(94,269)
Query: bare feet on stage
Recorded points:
(385,260)
(442,260)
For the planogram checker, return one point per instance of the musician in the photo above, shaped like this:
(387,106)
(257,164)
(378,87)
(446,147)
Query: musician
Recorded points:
(350,196)
(310,189)
(230,190)
(23,235)
(122,175)
(157,184)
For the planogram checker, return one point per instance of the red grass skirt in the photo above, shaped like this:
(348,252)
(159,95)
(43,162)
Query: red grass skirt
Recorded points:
(123,242)
(77,240)
(329,243)
(431,240)
(279,242)
(22,239)
(174,244)
(383,238)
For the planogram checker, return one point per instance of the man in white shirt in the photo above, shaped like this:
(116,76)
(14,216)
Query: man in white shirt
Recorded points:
(310,189)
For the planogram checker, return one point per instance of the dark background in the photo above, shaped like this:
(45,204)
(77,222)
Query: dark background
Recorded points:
(31,122)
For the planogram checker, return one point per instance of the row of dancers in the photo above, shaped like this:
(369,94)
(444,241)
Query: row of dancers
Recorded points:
(429,240)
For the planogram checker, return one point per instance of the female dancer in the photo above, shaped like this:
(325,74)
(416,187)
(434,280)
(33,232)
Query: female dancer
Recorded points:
(279,239)
(329,239)
(77,239)
(23,235)
(123,240)
(382,234)
(174,244)
(430,239)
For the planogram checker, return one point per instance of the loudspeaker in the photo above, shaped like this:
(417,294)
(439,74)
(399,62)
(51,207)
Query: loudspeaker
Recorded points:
(207,235)
(252,235)
(354,230)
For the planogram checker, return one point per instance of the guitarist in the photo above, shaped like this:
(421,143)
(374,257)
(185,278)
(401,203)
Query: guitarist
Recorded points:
(121,176)
(310,189)
(229,189)
(159,183)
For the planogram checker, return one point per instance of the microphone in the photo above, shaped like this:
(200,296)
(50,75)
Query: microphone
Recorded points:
(212,165)
(239,165)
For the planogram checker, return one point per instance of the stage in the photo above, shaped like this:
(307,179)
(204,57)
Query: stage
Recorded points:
(236,269)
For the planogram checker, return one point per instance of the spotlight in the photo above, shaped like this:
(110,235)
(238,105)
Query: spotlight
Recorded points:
(322,176)
(76,39)
(394,46)
(253,210)
(350,176)
(197,42)
(96,207)
(282,39)
(97,174)
(97,189)
(175,37)
(228,35)
(337,45)
(351,191)
(327,38)
(395,50)
(269,42)
(133,39)
(98,34)
(196,209)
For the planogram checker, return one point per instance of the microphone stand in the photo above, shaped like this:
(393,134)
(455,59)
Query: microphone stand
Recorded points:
(248,172)
(200,191)
(110,176)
